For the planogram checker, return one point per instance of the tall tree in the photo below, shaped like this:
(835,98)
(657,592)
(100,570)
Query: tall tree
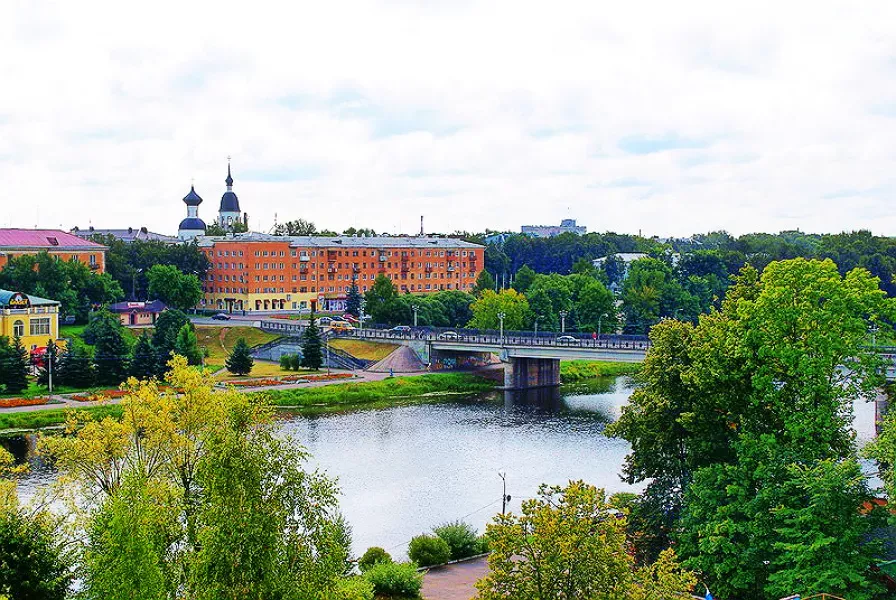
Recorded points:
(49,364)
(75,367)
(176,289)
(510,303)
(240,360)
(523,279)
(353,300)
(187,345)
(15,370)
(484,281)
(378,298)
(112,355)
(311,345)
(296,227)
(168,325)
(145,361)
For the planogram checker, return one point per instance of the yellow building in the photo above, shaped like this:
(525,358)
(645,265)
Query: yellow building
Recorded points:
(34,320)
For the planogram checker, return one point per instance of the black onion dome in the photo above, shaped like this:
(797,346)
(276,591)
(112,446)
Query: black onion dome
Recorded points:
(192,224)
(229,203)
(192,199)
(229,180)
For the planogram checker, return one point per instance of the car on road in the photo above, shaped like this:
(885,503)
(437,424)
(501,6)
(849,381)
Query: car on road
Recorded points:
(221,317)
(567,339)
(448,335)
(402,329)
(325,320)
(341,326)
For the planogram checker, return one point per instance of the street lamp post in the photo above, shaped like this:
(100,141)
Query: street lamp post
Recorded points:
(361,318)
(563,314)
(501,316)
(599,319)
(536,324)
(415,308)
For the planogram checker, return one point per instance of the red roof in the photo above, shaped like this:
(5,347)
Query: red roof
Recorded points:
(43,238)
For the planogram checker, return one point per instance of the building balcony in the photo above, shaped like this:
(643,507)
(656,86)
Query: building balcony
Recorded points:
(304,258)
(383,257)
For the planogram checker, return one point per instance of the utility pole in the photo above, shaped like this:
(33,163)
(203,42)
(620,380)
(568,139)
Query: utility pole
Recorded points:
(415,309)
(563,314)
(501,316)
(327,342)
(505,497)
(51,358)
(536,324)
(599,319)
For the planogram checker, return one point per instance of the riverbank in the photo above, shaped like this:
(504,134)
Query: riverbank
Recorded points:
(318,398)
(374,394)
(578,371)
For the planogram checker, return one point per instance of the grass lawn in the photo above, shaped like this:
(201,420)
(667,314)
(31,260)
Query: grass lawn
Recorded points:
(45,418)
(77,331)
(572,371)
(372,394)
(261,368)
(364,349)
(221,340)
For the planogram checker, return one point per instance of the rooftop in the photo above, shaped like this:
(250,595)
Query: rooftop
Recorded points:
(5,295)
(131,234)
(48,239)
(151,306)
(347,241)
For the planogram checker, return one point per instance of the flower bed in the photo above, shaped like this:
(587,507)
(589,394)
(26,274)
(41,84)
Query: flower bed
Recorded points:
(100,395)
(14,402)
(329,377)
(253,382)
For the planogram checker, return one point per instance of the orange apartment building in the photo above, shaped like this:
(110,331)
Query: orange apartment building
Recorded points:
(15,242)
(259,272)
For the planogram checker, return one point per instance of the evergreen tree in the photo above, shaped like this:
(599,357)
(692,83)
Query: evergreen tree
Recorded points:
(75,367)
(187,345)
(168,325)
(50,364)
(240,361)
(145,361)
(484,281)
(353,300)
(16,376)
(112,356)
(311,346)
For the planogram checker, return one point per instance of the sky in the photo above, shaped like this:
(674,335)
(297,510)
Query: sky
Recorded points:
(668,118)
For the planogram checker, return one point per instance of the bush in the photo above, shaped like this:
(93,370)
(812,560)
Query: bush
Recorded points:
(462,539)
(395,579)
(350,588)
(373,556)
(428,550)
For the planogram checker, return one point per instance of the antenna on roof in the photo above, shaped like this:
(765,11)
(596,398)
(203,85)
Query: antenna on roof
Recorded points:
(421,226)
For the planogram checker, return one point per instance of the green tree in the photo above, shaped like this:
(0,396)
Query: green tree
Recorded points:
(651,292)
(353,300)
(296,227)
(380,299)
(484,281)
(173,287)
(523,279)
(595,308)
(34,564)
(50,364)
(112,355)
(15,367)
(511,303)
(75,367)
(311,345)
(568,543)
(100,322)
(240,361)
(187,345)
(168,325)
(145,361)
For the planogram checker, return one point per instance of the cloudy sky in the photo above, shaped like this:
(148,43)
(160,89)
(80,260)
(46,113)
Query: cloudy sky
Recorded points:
(665,117)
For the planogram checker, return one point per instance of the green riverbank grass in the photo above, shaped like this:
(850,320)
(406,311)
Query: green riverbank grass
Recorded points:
(575,371)
(374,394)
(38,419)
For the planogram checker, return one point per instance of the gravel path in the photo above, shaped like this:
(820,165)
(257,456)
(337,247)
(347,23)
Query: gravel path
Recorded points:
(454,582)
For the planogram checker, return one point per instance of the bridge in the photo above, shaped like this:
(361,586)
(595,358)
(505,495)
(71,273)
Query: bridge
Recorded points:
(530,359)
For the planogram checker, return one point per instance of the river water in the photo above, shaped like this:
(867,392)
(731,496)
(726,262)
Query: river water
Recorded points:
(405,470)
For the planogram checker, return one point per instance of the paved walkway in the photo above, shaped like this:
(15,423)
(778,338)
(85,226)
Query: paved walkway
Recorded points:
(454,582)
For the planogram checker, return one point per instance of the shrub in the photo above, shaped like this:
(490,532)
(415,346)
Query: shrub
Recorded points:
(462,539)
(373,556)
(395,579)
(350,588)
(483,544)
(428,550)
(285,362)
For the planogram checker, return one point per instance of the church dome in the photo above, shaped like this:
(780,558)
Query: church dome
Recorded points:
(192,224)
(229,201)
(192,199)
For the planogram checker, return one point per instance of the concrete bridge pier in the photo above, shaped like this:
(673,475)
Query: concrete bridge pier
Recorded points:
(526,373)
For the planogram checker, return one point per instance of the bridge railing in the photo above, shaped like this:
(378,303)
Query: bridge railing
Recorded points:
(511,338)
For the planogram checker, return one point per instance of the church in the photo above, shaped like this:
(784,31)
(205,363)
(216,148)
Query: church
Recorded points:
(229,216)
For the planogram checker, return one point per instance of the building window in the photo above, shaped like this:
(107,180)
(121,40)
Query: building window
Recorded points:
(18,328)
(40,326)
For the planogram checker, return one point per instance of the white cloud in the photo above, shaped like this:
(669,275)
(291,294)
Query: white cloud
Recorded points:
(666,118)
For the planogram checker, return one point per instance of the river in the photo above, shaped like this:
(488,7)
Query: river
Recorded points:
(405,470)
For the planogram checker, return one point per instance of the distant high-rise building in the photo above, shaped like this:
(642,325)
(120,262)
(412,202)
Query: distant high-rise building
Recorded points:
(566,226)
